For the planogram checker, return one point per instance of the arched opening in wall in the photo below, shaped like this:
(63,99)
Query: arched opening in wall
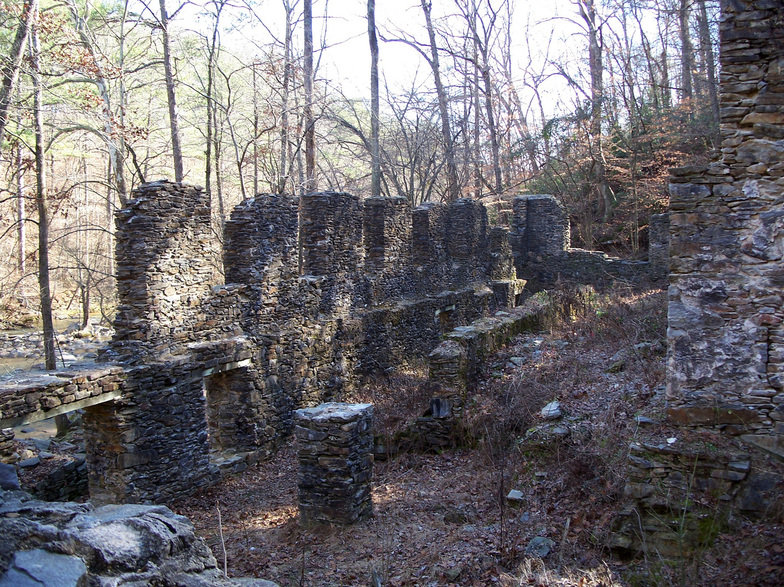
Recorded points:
(229,427)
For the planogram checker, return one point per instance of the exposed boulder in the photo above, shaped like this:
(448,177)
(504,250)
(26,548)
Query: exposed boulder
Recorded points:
(47,543)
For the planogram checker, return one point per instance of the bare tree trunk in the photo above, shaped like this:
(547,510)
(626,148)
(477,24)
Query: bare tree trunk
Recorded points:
(83,251)
(20,204)
(482,49)
(113,135)
(375,182)
(477,147)
(210,106)
(216,148)
(11,70)
(710,61)
(171,98)
(285,146)
(255,131)
(212,56)
(119,179)
(595,63)
(40,200)
(491,124)
(687,52)
(453,188)
(310,123)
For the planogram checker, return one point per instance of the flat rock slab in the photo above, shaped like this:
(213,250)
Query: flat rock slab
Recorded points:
(333,412)
(39,567)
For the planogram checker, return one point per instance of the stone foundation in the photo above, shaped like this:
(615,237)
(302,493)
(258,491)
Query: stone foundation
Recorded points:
(725,357)
(335,450)
(7,448)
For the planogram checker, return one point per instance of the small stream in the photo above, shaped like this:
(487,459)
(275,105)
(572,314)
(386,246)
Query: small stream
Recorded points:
(21,349)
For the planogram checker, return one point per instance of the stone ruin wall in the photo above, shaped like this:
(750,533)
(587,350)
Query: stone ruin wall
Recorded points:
(319,291)
(725,354)
(541,240)
(725,363)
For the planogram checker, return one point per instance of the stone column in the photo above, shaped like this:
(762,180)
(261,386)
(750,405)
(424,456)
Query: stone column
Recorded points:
(427,234)
(541,226)
(335,462)
(387,233)
(331,233)
(165,251)
(467,230)
(726,300)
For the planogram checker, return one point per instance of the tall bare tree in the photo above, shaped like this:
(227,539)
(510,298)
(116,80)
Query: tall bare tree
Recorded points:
(112,135)
(687,50)
(44,285)
(453,189)
(593,29)
(310,122)
(482,30)
(285,147)
(375,183)
(174,126)
(14,61)
(709,61)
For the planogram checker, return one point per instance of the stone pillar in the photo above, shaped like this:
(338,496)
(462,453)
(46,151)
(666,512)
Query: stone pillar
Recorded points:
(501,258)
(335,463)
(387,233)
(331,233)
(261,242)
(467,229)
(427,230)
(165,261)
(540,225)
(726,303)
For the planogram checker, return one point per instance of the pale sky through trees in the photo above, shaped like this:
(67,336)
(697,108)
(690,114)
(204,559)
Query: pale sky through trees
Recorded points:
(345,61)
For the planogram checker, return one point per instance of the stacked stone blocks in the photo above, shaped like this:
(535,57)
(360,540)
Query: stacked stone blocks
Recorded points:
(725,357)
(321,290)
(335,451)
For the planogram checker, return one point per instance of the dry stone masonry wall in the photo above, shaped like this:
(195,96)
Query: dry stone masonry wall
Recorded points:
(725,355)
(542,248)
(320,290)
(335,451)
(726,339)
(165,256)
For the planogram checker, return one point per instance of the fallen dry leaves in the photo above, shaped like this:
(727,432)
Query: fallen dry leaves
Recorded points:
(440,519)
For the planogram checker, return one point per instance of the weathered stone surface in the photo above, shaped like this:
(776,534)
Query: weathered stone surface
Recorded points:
(40,567)
(335,444)
(726,297)
(74,544)
(8,477)
(541,244)
(551,411)
(667,483)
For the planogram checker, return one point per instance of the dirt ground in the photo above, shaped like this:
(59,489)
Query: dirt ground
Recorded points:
(443,519)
